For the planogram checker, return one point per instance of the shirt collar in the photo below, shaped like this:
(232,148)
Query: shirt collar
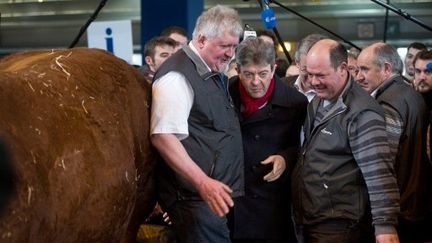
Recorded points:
(192,47)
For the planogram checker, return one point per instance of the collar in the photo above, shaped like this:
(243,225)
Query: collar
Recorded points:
(385,84)
(279,97)
(202,68)
(310,94)
(339,101)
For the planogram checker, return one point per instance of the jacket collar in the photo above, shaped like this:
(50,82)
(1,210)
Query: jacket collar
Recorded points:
(279,97)
(201,67)
(340,101)
(387,83)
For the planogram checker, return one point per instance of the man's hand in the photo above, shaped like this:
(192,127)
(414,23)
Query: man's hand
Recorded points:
(387,238)
(217,195)
(279,167)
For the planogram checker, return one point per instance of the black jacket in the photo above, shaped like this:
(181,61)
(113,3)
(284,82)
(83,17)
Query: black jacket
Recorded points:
(264,211)
(413,170)
(327,182)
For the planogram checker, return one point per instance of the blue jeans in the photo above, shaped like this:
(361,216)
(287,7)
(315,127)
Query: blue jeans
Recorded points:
(193,222)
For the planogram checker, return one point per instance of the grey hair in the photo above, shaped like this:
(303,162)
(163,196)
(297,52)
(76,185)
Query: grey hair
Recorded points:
(353,53)
(305,45)
(387,53)
(254,50)
(213,22)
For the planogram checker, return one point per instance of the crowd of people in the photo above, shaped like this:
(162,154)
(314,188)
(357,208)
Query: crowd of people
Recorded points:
(334,147)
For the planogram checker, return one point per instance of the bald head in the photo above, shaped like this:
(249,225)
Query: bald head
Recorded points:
(320,51)
(377,63)
(326,64)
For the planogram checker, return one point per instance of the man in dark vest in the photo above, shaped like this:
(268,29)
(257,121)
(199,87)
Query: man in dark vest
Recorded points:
(344,176)
(195,128)
(380,70)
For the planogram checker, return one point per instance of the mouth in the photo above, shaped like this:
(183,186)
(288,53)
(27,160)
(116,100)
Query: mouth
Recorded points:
(224,61)
(421,83)
(363,85)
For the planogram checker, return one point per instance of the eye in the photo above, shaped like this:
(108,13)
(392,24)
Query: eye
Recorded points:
(248,75)
(263,75)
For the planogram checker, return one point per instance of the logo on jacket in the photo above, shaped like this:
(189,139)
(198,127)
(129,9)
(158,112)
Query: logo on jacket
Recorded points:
(326,132)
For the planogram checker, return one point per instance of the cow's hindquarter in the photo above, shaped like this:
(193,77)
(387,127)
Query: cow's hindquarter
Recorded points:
(76,123)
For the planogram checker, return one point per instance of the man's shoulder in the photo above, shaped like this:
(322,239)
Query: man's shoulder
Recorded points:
(400,91)
(361,101)
(289,94)
(178,62)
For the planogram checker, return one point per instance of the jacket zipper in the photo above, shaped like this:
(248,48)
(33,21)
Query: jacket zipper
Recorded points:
(213,164)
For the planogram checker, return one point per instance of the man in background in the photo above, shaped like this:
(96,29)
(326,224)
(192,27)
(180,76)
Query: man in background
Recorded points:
(423,84)
(178,34)
(380,74)
(352,61)
(156,51)
(301,83)
(412,51)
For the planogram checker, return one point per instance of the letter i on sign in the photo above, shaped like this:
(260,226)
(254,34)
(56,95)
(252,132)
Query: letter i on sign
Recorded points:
(109,41)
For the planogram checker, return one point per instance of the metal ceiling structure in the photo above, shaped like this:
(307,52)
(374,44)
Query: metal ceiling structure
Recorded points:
(46,24)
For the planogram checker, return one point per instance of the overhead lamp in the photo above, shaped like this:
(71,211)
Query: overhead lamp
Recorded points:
(287,46)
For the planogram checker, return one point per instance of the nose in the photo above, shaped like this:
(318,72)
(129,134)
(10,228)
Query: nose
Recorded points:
(256,80)
(312,79)
(230,51)
(359,77)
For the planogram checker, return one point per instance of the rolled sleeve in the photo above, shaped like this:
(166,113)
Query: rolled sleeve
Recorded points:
(172,99)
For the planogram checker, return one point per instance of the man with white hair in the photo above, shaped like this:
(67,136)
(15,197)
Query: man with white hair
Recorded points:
(195,128)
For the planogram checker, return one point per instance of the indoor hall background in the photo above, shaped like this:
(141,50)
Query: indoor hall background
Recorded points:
(47,24)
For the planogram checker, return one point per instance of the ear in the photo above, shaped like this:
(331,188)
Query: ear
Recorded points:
(148,60)
(343,67)
(387,68)
(201,41)
(274,69)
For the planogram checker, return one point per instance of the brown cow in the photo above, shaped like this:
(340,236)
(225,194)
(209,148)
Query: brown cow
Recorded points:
(76,123)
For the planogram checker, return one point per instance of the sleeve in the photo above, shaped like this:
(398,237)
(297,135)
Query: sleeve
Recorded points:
(369,145)
(172,99)
(394,127)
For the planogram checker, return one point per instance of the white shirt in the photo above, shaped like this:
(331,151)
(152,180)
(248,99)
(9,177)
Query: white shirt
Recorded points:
(172,99)
(309,94)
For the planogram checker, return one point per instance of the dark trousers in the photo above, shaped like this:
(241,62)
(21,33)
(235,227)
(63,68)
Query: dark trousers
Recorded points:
(415,232)
(341,231)
(262,241)
(193,222)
